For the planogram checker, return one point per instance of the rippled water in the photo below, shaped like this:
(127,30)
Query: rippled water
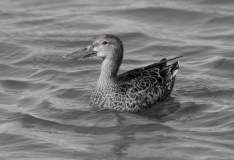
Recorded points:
(44,112)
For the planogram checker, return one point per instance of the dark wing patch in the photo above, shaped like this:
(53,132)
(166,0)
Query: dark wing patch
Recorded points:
(148,71)
(130,75)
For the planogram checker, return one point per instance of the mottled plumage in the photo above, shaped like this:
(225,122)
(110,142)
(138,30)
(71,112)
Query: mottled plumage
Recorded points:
(134,90)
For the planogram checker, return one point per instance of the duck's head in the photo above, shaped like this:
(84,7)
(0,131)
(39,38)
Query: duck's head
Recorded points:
(106,47)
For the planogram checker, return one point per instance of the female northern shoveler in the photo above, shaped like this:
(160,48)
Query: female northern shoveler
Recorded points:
(134,90)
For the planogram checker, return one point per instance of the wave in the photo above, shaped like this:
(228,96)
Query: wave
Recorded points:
(44,100)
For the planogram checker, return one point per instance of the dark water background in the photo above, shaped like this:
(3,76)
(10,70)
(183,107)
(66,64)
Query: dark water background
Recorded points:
(44,112)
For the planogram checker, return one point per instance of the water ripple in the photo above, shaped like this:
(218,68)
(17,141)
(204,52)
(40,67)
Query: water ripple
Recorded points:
(44,100)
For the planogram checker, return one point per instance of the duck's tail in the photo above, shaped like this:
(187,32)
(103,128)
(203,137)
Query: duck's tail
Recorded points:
(168,72)
(175,68)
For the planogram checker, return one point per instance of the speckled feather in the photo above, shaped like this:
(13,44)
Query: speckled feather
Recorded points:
(137,89)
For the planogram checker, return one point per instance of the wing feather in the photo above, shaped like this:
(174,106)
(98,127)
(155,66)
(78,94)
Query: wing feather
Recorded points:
(150,76)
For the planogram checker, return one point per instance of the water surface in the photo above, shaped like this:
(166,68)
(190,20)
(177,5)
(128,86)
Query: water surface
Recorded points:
(44,112)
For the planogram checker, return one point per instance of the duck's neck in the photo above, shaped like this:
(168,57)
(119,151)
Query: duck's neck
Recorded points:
(109,72)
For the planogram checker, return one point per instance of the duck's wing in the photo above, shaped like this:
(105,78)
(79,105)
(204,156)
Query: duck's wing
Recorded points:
(161,71)
(148,85)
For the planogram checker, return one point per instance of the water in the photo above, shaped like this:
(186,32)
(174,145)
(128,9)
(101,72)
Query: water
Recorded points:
(44,112)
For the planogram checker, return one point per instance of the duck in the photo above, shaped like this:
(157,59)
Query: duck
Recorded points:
(134,90)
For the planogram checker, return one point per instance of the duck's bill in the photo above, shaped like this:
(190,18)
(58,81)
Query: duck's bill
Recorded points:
(84,53)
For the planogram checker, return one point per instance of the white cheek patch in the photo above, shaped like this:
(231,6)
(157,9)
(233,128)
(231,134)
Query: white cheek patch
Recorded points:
(100,51)
(95,49)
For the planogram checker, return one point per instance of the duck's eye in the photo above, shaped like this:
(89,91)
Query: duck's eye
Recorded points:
(104,42)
